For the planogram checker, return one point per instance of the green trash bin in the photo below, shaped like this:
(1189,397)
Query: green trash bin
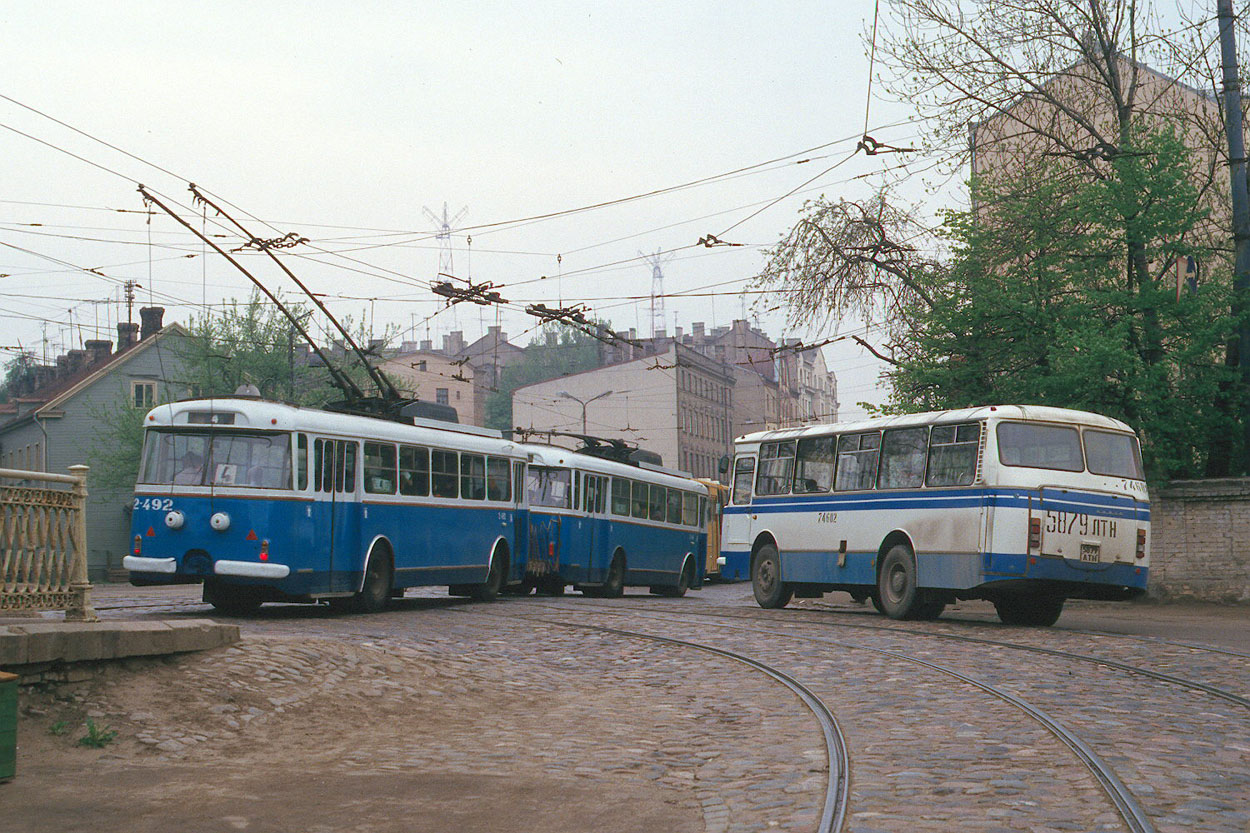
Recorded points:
(8,725)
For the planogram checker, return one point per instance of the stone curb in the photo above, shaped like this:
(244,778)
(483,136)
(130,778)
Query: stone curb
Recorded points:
(41,643)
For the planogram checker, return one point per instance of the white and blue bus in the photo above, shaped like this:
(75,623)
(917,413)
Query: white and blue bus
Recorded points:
(602,525)
(1025,506)
(263,501)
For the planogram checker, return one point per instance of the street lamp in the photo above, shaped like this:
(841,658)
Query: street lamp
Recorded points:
(584,403)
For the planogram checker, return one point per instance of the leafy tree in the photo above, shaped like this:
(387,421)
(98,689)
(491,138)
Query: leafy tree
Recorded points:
(557,350)
(19,372)
(1036,300)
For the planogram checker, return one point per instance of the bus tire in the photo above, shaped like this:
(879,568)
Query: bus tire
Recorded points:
(231,601)
(1029,612)
(614,585)
(496,578)
(897,588)
(676,591)
(375,590)
(770,591)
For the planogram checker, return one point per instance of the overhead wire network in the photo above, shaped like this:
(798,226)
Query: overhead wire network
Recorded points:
(376,271)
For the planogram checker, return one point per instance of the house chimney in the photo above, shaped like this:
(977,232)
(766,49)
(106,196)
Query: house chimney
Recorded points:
(696,330)
(77,360)
(493,331)
(151,318)
(677,333)
(98,350)
(427,346)
(127,335)
(45,374)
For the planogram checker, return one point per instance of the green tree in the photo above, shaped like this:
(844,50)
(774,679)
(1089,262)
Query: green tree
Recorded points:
(557,350)
(1036,301)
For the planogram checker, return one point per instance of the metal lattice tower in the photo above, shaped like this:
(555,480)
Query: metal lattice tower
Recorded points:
(657,288)
(445,224)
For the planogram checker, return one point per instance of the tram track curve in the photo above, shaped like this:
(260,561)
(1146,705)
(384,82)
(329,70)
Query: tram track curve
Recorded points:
(837,788)
(1159,676)
(1125,802)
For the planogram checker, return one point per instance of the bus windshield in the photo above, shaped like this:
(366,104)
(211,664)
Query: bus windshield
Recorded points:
(186,458)
(548,487)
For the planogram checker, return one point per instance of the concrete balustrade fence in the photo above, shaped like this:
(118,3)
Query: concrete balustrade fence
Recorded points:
(43,543)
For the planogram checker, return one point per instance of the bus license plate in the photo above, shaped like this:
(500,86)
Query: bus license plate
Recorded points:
(1090,552)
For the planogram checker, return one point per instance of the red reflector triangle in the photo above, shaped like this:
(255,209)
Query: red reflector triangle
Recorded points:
(151,532)
(251,535)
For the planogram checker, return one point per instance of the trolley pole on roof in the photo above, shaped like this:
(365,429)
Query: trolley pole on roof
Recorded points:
(1233,129)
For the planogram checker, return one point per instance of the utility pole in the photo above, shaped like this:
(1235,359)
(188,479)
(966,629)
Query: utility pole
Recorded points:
(565,394)
(1241,216)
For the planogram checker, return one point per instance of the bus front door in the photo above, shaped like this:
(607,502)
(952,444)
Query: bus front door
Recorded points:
(737,522)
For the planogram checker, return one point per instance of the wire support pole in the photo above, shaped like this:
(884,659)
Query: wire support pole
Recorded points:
(1241,213)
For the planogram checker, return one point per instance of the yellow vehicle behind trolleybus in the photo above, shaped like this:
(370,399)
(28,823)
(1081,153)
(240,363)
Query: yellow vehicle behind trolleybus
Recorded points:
(717,498)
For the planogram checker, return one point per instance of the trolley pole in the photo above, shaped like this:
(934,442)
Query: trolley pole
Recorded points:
(1233,129)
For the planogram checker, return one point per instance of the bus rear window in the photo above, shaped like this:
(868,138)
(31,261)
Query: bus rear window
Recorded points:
(1040,446)
(1117,455)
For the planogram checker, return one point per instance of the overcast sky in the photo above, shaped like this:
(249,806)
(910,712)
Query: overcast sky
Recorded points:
(343,122)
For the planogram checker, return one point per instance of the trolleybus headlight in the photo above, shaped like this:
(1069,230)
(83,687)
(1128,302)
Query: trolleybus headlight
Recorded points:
(175,520)
(220,521)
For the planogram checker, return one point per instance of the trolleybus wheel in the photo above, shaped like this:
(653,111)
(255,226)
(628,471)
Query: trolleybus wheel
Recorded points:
(375,594)
(896,585)
(875,598)
(679,589)
(1028,611)
(766,583)
(613,586)
(488,590)
(232,601)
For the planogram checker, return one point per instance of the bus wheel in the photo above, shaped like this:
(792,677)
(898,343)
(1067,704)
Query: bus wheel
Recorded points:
(375,595)
(1028,611)
(614,585)
(488,590)
(679,589)
(770,591)
(896,585)
(232,601)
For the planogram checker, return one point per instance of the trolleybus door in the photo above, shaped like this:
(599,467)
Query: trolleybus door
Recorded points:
(336,522)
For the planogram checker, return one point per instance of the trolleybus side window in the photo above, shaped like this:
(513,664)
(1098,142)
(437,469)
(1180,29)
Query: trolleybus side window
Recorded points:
(595,487)
(414,471)
(380,471)
(1039,446)
(744,477)
(498,483)
(814,464)
(690,509)
(857,461)
(444,473)
(953,454)
(301,462)
(656,505)
(674,507)
(345,473)
(639,503)
(323,465)
(473,477)
(620,496)
(776,468)
(1117,455)
(518,481)
(903,453)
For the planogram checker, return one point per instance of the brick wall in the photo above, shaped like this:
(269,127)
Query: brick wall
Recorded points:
(1200,541)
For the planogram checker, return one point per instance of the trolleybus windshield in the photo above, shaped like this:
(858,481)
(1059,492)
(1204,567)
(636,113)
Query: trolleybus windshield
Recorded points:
(188,458)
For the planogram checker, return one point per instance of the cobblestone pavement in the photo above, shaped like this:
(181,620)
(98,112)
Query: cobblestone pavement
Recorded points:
(599,730)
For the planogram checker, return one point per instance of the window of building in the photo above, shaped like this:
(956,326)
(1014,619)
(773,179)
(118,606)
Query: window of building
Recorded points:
(441,397)
(143,395)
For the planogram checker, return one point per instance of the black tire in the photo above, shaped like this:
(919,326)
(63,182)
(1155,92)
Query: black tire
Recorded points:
(897,587)
(613,586)
(496,578)
(770,591)
(1028,611)
(231,601)
(875,598)
(375,592)
(676,591)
